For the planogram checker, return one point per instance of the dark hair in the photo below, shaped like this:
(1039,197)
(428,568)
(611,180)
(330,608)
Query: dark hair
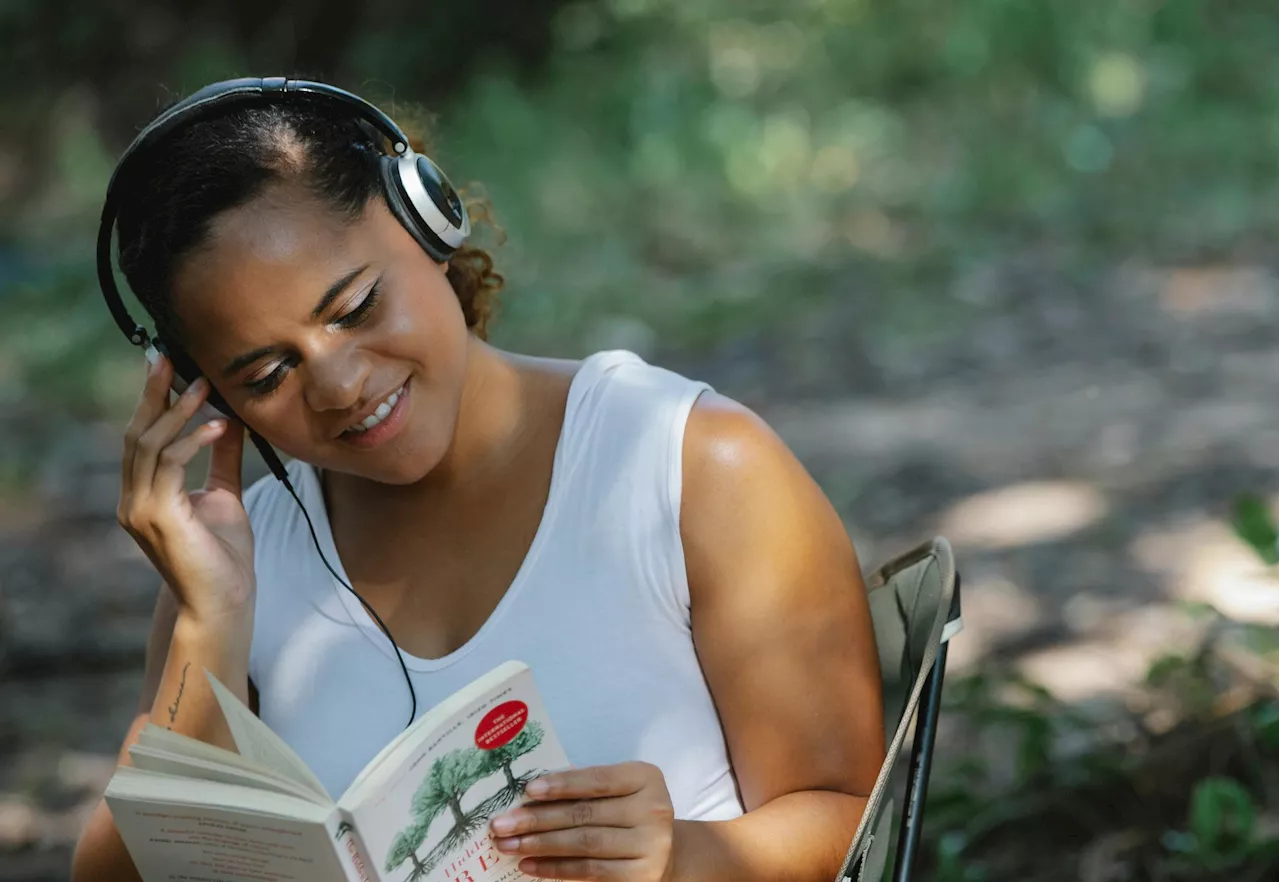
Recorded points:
(175,190)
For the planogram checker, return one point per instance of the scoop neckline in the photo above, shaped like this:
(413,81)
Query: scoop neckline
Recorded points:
(360,617)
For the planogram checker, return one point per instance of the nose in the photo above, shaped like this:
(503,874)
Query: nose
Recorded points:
(335,378)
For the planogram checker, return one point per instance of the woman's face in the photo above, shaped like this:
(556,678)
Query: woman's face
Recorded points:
(311,326)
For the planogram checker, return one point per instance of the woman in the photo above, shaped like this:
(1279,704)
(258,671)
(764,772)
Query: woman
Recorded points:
(686,597)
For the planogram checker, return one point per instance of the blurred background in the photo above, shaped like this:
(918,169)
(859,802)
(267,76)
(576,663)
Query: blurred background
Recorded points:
(1000,270)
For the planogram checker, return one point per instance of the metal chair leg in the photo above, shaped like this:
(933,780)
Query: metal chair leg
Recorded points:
(922,759)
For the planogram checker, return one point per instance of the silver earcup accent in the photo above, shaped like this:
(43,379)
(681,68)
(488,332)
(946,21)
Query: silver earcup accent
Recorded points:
(440,223)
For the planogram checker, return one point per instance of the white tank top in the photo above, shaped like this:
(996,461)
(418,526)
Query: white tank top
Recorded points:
(599,609)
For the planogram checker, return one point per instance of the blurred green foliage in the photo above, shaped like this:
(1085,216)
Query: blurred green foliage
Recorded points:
(676,174)
(1255,526)
(681,173)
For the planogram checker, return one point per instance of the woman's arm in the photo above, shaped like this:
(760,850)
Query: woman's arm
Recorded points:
(176,695)
(783,633)
(202,545)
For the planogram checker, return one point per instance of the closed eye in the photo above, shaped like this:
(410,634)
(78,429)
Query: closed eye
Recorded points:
(361,311)
(357,316)
(270,382)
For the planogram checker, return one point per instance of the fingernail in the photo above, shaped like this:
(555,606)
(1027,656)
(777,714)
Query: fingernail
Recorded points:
(537,787)
(152,355)
(512,844)
(198,385)
(504,824)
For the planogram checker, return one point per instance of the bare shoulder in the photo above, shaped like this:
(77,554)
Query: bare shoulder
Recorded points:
(733,457)
(724,438)
(748,502)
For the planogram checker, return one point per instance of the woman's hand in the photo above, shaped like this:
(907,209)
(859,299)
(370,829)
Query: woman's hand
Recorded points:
(200,542)
(601,823)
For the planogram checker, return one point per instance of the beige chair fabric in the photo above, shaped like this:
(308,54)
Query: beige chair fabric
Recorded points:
(910,599)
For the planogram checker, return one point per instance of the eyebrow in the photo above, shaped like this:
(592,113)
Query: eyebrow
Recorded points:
(332,293)
(335,289)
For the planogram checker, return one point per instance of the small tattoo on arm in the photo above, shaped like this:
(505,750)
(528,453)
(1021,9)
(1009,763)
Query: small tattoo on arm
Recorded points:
(182,685)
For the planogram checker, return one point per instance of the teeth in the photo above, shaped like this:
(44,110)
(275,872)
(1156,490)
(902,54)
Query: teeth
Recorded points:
(379,414)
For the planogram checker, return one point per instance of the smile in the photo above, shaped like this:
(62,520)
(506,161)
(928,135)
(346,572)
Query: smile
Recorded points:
(386,421)
(380,413)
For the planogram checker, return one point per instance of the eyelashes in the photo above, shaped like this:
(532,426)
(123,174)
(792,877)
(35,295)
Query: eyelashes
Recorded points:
(360,314)
(353,319)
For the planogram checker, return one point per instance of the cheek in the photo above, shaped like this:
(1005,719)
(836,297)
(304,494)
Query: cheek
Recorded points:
(429,328)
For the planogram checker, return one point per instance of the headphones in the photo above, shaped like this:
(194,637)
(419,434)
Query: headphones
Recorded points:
(416,192)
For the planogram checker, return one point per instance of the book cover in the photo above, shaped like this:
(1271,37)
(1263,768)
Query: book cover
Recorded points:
(431,823)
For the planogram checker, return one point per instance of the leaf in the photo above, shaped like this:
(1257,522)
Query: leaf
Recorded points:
(1253,524)
(1221,815)
(1035,745)
(1266,720)
(1165,668)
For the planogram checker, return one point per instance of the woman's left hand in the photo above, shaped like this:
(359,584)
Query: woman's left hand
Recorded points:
(602,823)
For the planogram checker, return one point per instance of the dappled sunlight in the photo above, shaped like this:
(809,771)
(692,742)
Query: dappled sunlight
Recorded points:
(1201,559)
(1216,290)
(1087,669)
(1114,659)
(1023,514)
(1117,84)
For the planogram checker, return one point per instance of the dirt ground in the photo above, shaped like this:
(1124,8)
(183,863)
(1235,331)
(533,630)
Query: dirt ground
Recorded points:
(1080,443)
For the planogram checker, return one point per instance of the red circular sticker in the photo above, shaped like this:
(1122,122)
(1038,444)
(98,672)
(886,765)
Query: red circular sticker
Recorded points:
(501,724)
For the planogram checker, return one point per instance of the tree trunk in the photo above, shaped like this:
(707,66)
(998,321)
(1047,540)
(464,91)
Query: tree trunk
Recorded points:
(455,805)
(511,781)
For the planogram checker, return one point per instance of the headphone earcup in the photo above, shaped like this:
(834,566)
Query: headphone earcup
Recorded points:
(415,215)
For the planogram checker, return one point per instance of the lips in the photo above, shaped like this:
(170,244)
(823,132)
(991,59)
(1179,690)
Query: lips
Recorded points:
(380,413)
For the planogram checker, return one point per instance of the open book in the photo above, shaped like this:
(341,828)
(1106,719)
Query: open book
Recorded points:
(418,812)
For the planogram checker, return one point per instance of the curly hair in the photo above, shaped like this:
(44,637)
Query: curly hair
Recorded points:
(187,179)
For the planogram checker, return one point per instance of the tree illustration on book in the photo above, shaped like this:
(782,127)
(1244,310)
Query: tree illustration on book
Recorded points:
(502,757)
(448,781)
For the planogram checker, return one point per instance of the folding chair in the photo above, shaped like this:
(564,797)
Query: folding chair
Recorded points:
(915,610)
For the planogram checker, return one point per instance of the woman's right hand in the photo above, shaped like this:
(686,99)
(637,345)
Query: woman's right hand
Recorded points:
(200,542)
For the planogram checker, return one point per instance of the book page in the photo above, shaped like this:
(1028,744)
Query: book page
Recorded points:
(174,840)
(255,741)
(153,759)
(428,817)
(153,741)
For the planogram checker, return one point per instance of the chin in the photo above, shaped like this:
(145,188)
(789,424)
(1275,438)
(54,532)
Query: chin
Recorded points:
(401,464)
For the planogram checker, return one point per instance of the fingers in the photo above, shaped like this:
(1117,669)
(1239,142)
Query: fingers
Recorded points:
(608,843)
(587,869)
(592,782)
(162,432)
(598,823)
(602,842)
(153,402)
(170,473)
(544,816)
(225,463)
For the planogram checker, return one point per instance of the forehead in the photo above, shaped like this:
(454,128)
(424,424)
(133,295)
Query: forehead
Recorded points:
(266,261)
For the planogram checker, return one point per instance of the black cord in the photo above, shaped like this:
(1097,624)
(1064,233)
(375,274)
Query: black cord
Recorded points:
(413,696)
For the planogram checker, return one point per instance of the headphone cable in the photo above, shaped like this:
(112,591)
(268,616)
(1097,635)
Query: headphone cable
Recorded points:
(413,696)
